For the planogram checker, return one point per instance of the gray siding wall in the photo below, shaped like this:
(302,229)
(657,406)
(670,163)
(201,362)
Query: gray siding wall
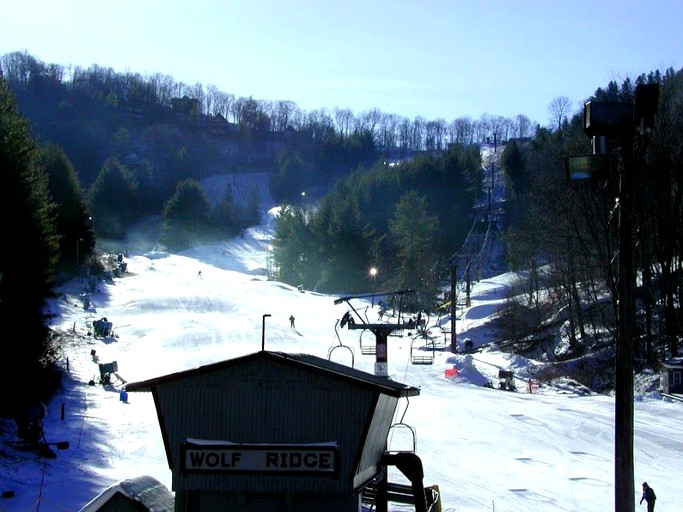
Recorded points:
(210,502)
(263,402)
(376,441)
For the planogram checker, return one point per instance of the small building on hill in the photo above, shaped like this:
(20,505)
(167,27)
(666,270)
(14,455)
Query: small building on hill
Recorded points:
(671,375)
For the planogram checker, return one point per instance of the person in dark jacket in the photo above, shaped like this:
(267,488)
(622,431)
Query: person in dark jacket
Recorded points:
(649,497)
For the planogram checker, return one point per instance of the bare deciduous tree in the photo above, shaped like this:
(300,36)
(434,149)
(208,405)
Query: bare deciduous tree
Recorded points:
(522,126)
(558,110)
(344,120)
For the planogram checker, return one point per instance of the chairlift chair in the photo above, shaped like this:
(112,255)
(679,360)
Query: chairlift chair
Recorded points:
(405,427)
(340,345)
(367,348)
(418,356)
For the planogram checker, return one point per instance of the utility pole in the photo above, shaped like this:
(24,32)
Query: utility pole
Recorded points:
(454,346)
(626,125)
(623,435)
(644,110)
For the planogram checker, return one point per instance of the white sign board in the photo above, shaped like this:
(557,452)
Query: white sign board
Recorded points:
(222,457)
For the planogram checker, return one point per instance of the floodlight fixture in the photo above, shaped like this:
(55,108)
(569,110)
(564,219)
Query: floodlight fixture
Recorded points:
(608,119)
(647,101)
(584,167)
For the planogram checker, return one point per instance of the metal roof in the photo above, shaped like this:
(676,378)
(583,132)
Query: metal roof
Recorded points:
(674,362)
(302,361)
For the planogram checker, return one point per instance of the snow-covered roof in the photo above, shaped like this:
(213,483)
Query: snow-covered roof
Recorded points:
(143,490)
(674,362)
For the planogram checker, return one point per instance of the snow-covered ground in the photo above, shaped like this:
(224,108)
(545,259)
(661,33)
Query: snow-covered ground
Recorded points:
(486,449)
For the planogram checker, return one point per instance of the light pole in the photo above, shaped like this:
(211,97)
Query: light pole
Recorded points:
(373,276)
(263,331)
(624,125)
(78,244)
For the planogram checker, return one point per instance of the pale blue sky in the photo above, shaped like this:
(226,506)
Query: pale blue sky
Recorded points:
(430,58)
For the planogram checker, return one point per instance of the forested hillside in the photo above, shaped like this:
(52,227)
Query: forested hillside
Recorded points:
(182,131)
(140,146)
(102,150)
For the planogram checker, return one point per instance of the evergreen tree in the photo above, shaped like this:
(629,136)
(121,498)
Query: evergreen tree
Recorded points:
(227,213)
(114,199)
(27,260)
(291,246)
(251,209)
(347,243)
(186,216)
(73,220)
(513,161)
(291,178)
(413,233)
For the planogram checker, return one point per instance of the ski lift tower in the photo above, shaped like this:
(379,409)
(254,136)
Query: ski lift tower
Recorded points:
(380,330)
